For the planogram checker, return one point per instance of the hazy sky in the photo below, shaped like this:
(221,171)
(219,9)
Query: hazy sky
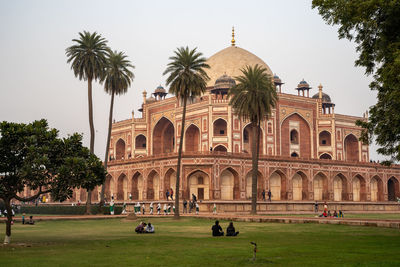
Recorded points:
(36,82)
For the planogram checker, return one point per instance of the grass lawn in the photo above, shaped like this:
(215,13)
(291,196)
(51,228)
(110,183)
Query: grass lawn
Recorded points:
(188,242)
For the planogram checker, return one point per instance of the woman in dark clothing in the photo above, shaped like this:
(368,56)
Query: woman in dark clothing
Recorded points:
(216,229)
(230,231)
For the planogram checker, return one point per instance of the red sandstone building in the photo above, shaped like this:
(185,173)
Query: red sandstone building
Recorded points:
(308,152)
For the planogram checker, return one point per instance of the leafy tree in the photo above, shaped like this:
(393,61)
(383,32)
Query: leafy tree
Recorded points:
(33,157)
(252,99)
(88,58)
(187,78)
(116,82)
(375,27)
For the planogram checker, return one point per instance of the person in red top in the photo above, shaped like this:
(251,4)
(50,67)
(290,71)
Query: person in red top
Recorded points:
(171,192)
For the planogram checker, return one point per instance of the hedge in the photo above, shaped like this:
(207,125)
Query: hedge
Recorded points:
(67,210)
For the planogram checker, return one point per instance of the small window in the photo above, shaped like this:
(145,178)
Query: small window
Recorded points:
(294,137)
(222,132)
(294,154)
(323,142)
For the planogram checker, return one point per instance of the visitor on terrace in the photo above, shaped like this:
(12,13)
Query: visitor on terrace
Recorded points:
(230,231)
(341,215)
(216,229)
(335,214)
(150,228)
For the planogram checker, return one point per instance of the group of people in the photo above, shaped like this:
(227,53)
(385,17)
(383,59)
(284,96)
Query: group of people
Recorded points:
(169,194)
(144,228)
(327,213)
(193,205)
(269,194)
(217,230)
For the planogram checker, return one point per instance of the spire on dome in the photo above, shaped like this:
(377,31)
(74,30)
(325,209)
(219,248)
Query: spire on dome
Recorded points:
(233,36)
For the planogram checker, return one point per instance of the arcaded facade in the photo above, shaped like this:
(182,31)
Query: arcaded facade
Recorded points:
(307,152)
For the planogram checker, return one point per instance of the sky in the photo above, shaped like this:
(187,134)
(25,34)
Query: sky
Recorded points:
(36,82)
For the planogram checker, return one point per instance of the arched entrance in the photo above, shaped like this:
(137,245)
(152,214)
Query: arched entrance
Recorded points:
(320,187)
(120,149)
(163,137)
(220,148)
(376,189)
(325,156)
(109,189)
(393,189)
(248,139)
(198,184)
(277,185)
(260,184)
(220,127)
(325,138)
(137,186)
(295,136)
(351,148)
(153,185)
(122,188)
(140,142)
(192,139)
(339,187)
(169,181)
(359,191)
(300,188)
(229,185)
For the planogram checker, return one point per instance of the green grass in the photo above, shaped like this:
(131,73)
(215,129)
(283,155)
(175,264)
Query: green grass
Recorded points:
(188,242)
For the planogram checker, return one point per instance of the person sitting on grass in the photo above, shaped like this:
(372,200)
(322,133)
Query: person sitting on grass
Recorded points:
(230,231)
(150,228)
(335,214)
(140,229)
(31,221)
(216,229)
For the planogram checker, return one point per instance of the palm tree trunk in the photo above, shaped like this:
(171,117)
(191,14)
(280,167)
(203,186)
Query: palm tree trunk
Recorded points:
(254,152)
(107,146)
(7,238)
(178,170)
(91,124)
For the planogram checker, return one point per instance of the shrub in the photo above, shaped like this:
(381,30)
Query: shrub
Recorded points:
(67,210)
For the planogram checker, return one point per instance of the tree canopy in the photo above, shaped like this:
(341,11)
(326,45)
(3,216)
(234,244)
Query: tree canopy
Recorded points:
(374,26)
(33,156)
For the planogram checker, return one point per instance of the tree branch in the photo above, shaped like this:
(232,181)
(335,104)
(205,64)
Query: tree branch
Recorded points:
(26,199)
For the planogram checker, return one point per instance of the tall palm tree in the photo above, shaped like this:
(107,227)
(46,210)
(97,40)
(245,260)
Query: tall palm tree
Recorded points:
(117,80)
(253,98)
(187,78)
(88,61)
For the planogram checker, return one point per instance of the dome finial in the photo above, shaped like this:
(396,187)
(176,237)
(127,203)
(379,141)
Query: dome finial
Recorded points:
(320,90)
(233,36)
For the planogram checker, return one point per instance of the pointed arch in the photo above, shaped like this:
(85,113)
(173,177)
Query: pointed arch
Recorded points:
(376,189)
(109,187)
(325,138)
(340,191)
(198,183)
(122,187)
(153,185)
(220,127)
(220,148)
(320,186)
(325,156)
(163,137)
(120,149)
(140,142)
(169,181)
(298,141)
(393,189)
(351,148)
(277,185)
(248,138)
(137,186)
(300,186)
(192,139)
(359,188)
(229,184)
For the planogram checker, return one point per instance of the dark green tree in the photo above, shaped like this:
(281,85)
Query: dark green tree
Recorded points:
(117,80)
(252,99)
(187,78)
(88,58)
(375,28)
(33,157)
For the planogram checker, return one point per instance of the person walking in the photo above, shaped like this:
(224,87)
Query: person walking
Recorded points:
(143,208)
(167,194)
(151,208)
(263,195)
(184,206)
(158,208)
(171,193)
(197,208)
(165,209)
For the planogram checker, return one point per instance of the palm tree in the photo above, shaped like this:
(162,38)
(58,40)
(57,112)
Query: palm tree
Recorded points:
(88,61)
(253,98)
(116,82)
(187,78)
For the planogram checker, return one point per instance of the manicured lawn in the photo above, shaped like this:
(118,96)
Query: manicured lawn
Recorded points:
(188,242)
